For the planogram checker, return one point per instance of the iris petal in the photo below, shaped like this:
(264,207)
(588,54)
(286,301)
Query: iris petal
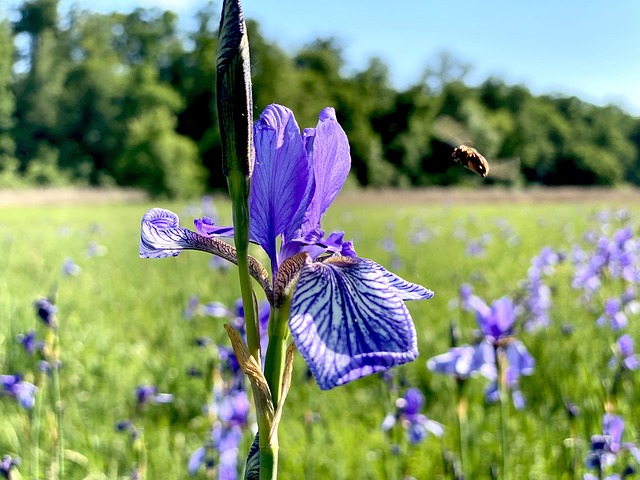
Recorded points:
(405,290)
(348,321)
(280,181)
(327,147)
(161,235)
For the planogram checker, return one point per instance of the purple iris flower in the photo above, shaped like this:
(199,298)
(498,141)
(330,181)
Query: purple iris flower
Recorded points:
(465,361)
(149,394)
(613,314)
(30,343)
(215,309)
(221,450)
(46,311)
(6,464)
(24,392)
(70,268)
(192,307)
(606,447)
(626,353)
(347,316)
(465,293)
(497,323)
(408,415)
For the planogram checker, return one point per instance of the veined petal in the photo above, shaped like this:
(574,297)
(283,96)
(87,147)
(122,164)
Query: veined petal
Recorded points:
(280,182)
(348,321)
(405,290)
(161,235)
(327,147)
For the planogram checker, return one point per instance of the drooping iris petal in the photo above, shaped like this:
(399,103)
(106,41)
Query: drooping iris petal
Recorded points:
(161,235)
(327,147)
(405,290)
(280,181)
(348,321)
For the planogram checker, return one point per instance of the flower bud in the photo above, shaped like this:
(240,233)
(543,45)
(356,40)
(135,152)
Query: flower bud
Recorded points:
(235,102)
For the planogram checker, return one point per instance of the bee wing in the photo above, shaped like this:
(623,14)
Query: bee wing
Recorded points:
(449,131)
(505,169)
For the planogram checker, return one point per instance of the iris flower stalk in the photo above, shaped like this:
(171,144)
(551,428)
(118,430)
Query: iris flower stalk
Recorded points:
(345,314)
(46,310)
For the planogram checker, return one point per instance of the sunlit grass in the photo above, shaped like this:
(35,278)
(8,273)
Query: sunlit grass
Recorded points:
(121,325)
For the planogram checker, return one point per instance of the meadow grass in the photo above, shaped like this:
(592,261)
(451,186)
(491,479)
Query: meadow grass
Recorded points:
(122,325)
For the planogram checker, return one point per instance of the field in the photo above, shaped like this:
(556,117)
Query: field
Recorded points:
(122,324)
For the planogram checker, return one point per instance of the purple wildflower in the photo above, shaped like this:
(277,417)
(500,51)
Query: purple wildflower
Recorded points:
(475,248)
(192,307)
(606,447)
(221,449)
(465,293)
(464,361)
(149,394)
(347,316)
(94,249)
(625,354)
(127,426)
(46,310)
(496,324)
(70,268)
(7,464)
(408,415)
(24,392)
(215,310)
(613,315)
(29,342)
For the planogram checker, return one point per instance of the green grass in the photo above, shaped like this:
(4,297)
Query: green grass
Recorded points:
(121,325)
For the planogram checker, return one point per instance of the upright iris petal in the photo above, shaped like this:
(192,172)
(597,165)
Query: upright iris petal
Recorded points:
(328,150)
(280,183)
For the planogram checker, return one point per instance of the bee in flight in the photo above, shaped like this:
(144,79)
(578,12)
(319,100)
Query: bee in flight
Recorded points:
(472,159)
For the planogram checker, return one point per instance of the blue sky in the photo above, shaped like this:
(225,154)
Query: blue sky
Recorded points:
(586,48)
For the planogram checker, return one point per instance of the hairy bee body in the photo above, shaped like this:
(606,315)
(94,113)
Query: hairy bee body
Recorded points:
(472,159)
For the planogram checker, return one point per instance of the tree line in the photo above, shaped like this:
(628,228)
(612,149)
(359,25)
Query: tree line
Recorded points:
(129,99)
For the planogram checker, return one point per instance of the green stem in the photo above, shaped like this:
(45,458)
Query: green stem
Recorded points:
(35,435)
(504,403)
(276,350)
(273,372)
(461,411)
(239,187)
(269,461)
(57,406)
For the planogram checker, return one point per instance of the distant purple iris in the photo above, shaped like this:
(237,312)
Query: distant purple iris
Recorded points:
(221,449)
(537,301)
(606,447)
(625,354)
(30,343)
(497,326)
(613,315)
(24,392)
(347,316)
(46,311)
(149,394)
(7,464)
(70,268)
(408,415)
(465,361)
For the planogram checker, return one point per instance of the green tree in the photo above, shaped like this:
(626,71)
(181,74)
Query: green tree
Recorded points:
(156,157)
(8,162)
